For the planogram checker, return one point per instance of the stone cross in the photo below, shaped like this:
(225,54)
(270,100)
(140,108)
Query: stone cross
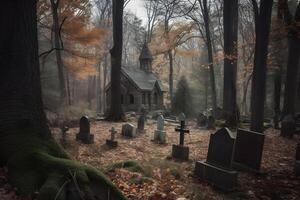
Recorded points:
(182,129)
(113,132)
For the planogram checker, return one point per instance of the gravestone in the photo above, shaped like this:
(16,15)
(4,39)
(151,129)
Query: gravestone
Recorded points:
(64,130)
(210,122)
(288,126)
(159,133)
(248,150)
(141,124)
(297,163)
(112,142)
(84,131)
(217,168)
(180,151)
(128,130)
(201,120)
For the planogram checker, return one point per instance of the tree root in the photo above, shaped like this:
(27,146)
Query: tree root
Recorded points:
(43,166)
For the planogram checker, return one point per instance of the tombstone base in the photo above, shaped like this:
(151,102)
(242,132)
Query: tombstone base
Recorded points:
(297,168)
(160,136)
(241,167)
(112,143)
(86,139)
(180,152)
(221,178)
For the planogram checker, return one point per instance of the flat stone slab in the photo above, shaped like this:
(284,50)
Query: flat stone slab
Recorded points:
(112,143)
(221,178)
(180,152)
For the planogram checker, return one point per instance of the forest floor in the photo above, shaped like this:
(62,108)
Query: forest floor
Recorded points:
(168,179)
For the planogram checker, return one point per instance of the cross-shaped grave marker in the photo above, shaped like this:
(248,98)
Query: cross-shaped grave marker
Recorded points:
(180,151)
(182,129)
(112,142)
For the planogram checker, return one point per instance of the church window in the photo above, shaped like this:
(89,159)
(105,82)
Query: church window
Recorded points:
(131,99)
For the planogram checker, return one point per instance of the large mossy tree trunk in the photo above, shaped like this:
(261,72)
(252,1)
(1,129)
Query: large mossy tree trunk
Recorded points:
(35,161)
(230,18)
(258,90)
(116,112)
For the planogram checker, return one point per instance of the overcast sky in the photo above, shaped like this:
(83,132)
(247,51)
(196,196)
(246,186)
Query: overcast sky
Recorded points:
(137,8)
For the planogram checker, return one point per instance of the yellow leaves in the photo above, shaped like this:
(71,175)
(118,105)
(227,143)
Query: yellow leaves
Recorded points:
(167,40)
(80,67)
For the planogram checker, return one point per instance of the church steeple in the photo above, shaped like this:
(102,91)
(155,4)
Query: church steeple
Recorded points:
(146,59)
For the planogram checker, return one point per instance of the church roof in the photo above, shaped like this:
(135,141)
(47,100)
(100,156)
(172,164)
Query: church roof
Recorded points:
(143,80)
(145,53)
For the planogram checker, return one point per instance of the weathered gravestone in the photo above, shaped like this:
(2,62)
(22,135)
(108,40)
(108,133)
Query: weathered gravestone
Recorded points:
(210,122)
(112,142)
(201,120)
(248,150)
(160,134)
(84,131)
(180,151)
(297,163)
(64,130)
(288,126)
(217,168)
(141,124)
(128,130)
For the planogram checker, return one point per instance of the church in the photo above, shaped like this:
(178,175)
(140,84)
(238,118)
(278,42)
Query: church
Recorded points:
(140,87)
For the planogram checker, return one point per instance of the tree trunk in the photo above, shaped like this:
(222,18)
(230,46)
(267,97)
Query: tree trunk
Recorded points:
(104,84)
(58,47)
(230,62)
(35,161)
(258,91)
(170,56)
(290,93)
(116,112)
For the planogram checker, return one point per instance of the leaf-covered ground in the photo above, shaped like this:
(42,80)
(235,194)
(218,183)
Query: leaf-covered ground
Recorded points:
(164,178)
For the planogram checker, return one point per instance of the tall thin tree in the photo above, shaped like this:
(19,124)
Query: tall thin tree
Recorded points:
(230,17)
(262,15)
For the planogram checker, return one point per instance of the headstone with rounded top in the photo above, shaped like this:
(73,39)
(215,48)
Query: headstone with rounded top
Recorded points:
(201,120)
(112,142)
(84,131)
(160,134)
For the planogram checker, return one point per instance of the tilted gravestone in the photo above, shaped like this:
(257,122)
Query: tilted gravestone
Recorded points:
(217,168)
(112,142)
(159,133)
(297,163)
(180,151)
(201,120)
(84,131)
(248,150)
(128,130)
